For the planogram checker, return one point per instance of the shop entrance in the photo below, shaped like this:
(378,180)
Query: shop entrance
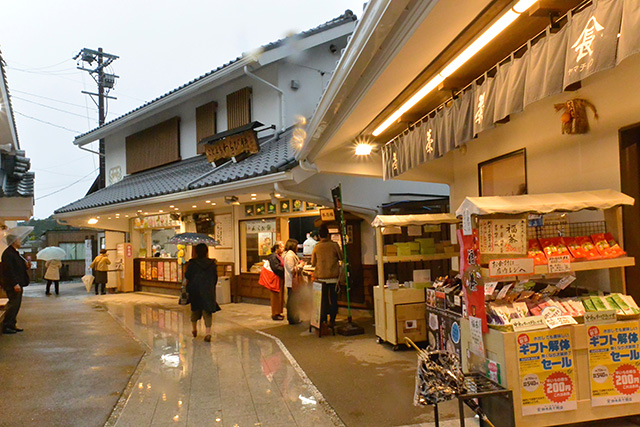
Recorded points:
(630,184)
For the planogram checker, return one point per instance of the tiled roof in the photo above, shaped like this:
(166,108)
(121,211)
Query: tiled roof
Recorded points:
(347,16)
(6,86)
(274,156)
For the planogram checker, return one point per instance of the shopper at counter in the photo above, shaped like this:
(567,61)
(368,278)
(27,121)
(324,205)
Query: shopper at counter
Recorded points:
(326,259)
(276,262)
(201,277)
(291,269)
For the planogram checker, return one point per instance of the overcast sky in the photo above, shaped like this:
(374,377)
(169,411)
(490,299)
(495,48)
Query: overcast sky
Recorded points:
(161,45)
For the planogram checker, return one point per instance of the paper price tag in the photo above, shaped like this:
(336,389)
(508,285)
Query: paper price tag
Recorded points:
(489,287)
(477,344)
(566,281)
(604,316)
(503,291)
(559,264)
(467,229)
(554,322)
(528,323)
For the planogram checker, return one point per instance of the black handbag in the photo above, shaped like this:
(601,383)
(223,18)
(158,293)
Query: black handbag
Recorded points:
(184,295)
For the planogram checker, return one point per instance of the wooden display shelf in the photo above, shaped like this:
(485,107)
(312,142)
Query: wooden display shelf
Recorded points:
(414,258)
(598,264)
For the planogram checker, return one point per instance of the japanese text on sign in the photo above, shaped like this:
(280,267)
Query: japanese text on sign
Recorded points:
(510,267)
(503,236)
(547,377)
(559,264)
(614,362)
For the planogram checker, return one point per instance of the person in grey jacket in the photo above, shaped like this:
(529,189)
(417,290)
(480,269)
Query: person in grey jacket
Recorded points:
(14,277)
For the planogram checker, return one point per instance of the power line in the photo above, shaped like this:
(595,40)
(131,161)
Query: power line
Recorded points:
(64,188)
(53,108)
(41,68)
(53,99)
(48,123)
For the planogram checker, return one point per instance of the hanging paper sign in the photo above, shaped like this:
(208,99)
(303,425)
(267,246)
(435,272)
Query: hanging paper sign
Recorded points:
(503,236)
(528,323)
(614,361)
(547,372)
(510,267)
(467,229)
(477,344)
(504,290)
(559,264)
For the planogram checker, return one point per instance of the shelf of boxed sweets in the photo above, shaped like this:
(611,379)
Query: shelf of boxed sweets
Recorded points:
(414,258)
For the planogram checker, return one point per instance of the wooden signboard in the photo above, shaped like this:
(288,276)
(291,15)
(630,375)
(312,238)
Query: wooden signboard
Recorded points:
(234,145)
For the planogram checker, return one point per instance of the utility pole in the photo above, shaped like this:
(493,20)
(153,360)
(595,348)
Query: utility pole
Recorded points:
(104,81)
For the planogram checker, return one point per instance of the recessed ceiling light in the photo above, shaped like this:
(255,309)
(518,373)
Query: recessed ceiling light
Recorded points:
(253,198)
(98,217)
(207,201)
(126,216)
(213,204)
(363,149)
(277,194)
(176,209)
(139,210)
(146,213)
(93,221)
(253,195)
(109,218)
(194,206)
(160,211)
(171,206)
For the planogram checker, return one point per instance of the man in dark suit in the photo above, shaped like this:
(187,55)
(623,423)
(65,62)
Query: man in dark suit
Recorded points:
(14,277)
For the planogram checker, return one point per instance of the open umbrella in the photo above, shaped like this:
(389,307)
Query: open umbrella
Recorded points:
(193,239)
(51,252)
(12,234)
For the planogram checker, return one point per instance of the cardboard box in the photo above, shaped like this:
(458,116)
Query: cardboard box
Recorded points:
(403,249)
(414,247)
(390,250)
(427,251)
(414,311)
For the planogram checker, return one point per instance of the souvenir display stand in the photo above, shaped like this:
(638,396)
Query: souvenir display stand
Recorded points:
(503,348)
(400,312)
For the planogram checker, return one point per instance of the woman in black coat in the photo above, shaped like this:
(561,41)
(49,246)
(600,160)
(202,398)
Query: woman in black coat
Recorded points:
(202,277)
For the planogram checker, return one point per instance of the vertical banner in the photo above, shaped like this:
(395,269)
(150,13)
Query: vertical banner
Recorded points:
(593,40)
(547,374)
(545,70)
(614,363)
(484,103)
(629,42)
(88,255)
(463,118)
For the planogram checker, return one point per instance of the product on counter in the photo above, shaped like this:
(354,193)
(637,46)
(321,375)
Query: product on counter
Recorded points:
(554,247)
(590,250)
(607,246)
(623,304)
(536,252)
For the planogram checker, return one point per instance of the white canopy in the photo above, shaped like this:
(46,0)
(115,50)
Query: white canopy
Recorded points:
(422,219)
(544,203)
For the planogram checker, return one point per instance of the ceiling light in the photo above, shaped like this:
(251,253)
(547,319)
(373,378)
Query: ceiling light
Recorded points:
(253,198)
(126,216)
(277,194)
(213,204)
(139,210)
(231,200)
(171,206)
(253,195)
(146,213)
(176,209)
(92,221)
(194,206)
(363,149)
(207,201)
(161,211)
(109,218)
(489,34)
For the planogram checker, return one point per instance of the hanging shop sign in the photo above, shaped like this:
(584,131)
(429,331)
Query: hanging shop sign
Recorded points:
(547,371)
(327,215)
(254,227)
(232,146)
(593,40)
(614,363)
(511,267)
(503,236)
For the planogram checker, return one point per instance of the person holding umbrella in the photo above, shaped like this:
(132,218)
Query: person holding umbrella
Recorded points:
(14,278)
(52,256)
(53,275)
(100,266)
(201,278)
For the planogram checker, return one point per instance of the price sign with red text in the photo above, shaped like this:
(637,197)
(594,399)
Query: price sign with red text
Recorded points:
(547,371)
(614,363)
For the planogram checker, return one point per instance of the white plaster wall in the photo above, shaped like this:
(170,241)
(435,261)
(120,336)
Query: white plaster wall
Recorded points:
(313,69)
(556,162)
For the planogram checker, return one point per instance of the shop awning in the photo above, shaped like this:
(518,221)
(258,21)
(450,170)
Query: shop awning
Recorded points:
(544,203)
(422,219)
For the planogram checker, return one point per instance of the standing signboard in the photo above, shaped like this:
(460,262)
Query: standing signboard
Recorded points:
(614,363)
(547,371)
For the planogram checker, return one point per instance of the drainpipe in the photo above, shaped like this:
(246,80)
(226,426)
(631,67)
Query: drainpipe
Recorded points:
(276,88)
(369,213)
(306,166)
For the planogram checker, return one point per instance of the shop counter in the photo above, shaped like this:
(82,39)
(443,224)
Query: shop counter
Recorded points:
(247,286)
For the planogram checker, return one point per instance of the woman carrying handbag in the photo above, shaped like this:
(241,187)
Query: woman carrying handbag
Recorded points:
(291,278)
